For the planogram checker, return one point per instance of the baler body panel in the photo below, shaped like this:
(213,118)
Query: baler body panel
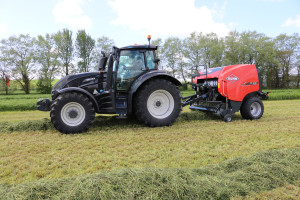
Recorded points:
(211,73)
(234,81)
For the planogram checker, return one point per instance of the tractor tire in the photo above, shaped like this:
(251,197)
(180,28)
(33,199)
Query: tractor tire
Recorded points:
(252,108)
(158,103)
(72,113)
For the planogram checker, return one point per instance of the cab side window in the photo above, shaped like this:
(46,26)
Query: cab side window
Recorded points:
(150,59)
(131,65)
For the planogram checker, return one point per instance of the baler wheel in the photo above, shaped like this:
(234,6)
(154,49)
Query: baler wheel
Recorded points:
(252,108)
(227,118)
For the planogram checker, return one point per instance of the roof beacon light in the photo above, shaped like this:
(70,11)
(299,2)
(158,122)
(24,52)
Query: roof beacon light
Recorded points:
(149,38)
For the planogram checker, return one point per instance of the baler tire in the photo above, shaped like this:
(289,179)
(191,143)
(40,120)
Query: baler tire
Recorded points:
(252,108)
(227,118)
(158,103)
(83,113)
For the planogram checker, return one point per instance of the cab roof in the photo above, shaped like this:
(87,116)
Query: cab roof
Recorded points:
(152,47)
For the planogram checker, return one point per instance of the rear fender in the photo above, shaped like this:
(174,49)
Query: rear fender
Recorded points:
(145,78)
(79,90)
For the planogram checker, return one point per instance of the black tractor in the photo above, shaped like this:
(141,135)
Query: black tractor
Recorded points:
(127,82)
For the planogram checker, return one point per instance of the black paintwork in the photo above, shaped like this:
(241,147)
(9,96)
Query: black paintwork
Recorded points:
(79,90)
(76,80)
(146,47)
(44,104)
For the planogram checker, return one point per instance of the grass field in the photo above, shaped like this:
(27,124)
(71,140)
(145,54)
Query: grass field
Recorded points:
(276,94)
(232,178)
(32,150)
(35,157)
(22,102)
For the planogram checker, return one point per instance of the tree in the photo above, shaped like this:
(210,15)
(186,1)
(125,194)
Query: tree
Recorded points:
(297,64)
(158,42)
(232,48)
(170,53)
(4,74)
(84,47)
(212,50)
(265,60)
(192,49)
(64,44)
(19,52)
(286,55)
(47,56)
(104,44)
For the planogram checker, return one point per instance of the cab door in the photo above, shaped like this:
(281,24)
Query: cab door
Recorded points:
(131,65)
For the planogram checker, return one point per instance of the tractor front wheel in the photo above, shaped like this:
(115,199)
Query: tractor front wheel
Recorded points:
(157,103)
(252,108)
(72,113)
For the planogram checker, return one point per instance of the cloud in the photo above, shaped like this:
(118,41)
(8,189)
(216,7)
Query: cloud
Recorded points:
(292,22)
(69,12)
(166,18)
(3,28)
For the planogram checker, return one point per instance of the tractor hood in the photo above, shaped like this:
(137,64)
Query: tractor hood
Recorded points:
(76,80)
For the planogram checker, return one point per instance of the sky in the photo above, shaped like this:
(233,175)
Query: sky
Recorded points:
(130,21)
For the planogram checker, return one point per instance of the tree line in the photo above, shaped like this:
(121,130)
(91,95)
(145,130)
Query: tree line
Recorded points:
(278,59)
(24,58)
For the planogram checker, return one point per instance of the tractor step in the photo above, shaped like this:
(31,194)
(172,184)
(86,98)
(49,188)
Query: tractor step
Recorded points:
(121,106)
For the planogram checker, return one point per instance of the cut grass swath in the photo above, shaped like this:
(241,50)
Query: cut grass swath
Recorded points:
(239,176)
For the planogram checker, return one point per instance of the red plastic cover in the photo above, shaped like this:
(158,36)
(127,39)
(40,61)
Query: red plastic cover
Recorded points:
(234,81)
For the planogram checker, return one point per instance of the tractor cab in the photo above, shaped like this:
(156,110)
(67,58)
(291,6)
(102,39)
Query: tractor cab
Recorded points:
(126,64)
(119,71)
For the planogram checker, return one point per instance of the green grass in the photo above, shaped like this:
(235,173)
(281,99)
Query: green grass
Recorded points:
(15,88)
(284,94)
(290,191)
(239,176)
(276,94)
(17,116)
(35,156)
(21,102)
(28,153)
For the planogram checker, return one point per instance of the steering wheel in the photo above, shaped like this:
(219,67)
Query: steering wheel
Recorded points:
(125,68)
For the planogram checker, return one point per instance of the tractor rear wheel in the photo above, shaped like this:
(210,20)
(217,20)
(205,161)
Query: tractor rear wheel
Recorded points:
(252,108)
(72,113)
(158,103)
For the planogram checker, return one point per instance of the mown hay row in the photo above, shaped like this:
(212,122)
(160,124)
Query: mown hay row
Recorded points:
(239,176)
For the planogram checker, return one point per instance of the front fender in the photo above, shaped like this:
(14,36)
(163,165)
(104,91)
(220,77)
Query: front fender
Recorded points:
(146,77)
(157,74)
(56,93)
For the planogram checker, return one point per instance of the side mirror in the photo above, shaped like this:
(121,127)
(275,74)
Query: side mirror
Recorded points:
(102,63)
(157,60)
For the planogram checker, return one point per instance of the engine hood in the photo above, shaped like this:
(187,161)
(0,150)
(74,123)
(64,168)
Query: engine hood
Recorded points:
(75,80)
